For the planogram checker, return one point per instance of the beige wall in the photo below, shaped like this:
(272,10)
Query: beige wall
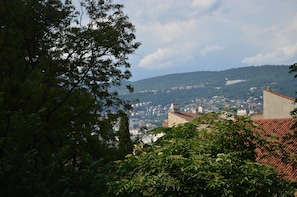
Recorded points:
(174,119)
(276,106)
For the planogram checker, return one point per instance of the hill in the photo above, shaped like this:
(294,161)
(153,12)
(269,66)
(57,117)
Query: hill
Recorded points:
(236,83)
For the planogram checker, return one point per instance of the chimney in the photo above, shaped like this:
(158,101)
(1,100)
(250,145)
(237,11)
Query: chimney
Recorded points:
(174,108)
(201,109)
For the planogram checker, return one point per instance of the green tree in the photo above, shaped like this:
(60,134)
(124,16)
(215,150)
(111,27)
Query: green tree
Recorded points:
(293,137)
(125,143)
(58,63)
(208,157)
(293,69)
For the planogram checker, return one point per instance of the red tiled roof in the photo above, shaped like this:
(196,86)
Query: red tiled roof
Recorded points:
(280,128)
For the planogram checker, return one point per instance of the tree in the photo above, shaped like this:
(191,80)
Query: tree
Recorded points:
(125,143)
(218,159)
(293,137)
(292,69)
(58,64)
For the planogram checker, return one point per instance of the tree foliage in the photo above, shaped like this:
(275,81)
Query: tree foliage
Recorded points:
(125,142)
(293,69)
(58,63)
(208,157)
(293,137)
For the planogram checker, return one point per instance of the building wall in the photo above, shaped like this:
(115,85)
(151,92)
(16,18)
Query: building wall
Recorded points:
(174,119)
(276,105)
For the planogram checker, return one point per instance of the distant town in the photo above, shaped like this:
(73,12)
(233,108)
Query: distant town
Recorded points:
(239,90)
(150,115)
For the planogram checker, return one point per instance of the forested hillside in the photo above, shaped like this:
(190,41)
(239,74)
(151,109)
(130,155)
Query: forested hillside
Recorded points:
(237,83)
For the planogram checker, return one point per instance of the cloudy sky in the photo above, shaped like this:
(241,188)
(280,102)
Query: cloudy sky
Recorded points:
(211,35)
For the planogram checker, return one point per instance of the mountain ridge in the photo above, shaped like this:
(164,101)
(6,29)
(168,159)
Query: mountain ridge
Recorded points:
(265,72)
(235,83)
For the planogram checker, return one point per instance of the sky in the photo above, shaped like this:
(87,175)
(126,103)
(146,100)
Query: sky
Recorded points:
(180,36)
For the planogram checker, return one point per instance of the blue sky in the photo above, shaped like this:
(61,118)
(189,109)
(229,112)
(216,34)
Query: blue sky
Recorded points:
(211,35)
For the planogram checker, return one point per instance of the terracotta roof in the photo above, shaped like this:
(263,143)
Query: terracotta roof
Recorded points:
(188,116)
(280,128)
(278,94)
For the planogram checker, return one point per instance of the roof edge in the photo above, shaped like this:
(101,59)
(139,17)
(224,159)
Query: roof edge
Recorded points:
(278,94)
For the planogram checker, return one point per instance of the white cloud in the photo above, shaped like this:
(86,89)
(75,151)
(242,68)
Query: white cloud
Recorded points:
(211,49)
(173,32)
(204,4)
(204,8)
(158,59)
(280,56)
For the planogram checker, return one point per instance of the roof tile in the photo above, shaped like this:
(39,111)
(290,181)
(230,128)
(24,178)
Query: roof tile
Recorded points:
(280,128)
